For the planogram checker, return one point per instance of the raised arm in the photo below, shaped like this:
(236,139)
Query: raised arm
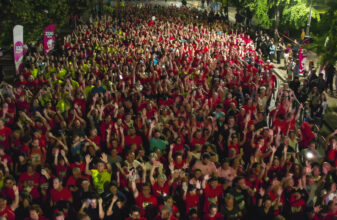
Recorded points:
(152,180)
(150,131)
(109,212)
(100,209)
(88,160)
(134,188)
(15,203)
(104,158)
(327,142)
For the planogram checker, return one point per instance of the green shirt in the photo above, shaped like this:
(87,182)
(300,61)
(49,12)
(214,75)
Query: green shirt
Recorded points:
(100,179)
(157,144)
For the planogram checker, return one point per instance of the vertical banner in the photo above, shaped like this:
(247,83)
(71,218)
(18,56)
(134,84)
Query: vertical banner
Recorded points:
(302,59)
(49,38)
(18,47)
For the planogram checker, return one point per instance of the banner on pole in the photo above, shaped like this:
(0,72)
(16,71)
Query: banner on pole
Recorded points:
(18,47)
(49,38)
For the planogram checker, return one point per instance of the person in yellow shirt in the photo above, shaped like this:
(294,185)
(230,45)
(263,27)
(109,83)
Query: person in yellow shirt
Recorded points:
(302,35)
(102,175)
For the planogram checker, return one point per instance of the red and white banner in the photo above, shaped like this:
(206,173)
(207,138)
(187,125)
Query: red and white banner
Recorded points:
(49,38)
(302,60)
(18,47)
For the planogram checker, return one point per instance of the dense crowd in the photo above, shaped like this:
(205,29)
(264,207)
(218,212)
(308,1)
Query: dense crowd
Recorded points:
(159,113)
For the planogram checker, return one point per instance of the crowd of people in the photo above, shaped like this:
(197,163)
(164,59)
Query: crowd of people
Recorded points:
(158,113)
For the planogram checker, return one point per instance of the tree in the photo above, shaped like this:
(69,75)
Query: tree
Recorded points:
(270,13)
(34,15)
(325,40)
(297,14)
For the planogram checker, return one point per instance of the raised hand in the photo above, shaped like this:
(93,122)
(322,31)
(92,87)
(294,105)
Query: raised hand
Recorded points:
(63,153)
(262,192)
(88,159)
(16,190)
(100,201)
(104,158)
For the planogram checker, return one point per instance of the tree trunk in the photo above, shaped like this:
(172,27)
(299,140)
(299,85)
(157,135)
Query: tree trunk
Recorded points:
(277,22)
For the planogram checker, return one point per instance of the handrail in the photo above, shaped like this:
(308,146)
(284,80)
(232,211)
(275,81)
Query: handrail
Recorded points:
(290,39)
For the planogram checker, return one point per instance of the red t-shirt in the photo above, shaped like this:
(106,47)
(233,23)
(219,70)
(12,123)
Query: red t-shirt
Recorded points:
(96,140)
(192,201)
(133,140)
(212,195)
(7,157)
(26,177)
(79,165)
(143,202)
(8,213)
(218,216)
(157,190)
(63,195)
(332,156)
(5,133)
(200,141)
(8,193)
(308,135)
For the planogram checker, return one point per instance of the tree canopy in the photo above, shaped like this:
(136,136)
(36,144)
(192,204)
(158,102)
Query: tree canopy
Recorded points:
(34,15)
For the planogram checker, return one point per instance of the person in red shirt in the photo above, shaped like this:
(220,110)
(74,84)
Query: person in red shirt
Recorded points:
(307,134)
(168,201)
(95,138)
(59,193)
(7,114)
(7,211)
(29,178)
(6,158)
(5,133)
(213,213)
(132,138)
(212,192)
(191,199)
(105,125)
(7,191)
(144,200)
(331,146)
(166,213)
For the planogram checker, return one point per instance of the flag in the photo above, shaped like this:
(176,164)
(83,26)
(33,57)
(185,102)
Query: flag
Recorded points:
(18,47)
(49,38)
